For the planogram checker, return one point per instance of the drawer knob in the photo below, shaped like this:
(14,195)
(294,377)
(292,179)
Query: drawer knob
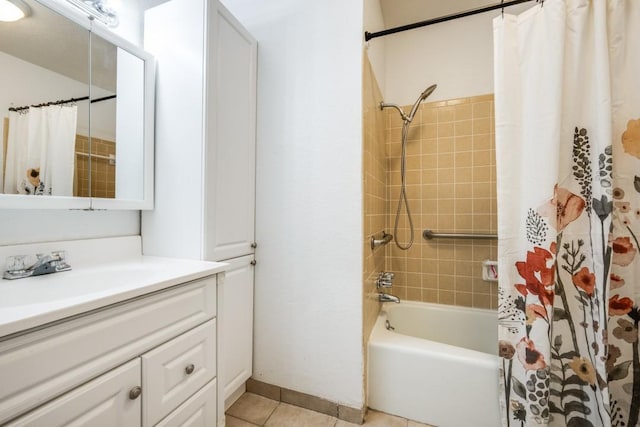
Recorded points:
(135,392)
(189,369)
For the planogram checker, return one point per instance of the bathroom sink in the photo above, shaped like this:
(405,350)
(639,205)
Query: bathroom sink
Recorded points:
(74,284)
(37,300)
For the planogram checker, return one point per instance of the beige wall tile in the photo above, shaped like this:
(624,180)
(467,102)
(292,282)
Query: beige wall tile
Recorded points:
(463,112)
(463,127)
(429,115)
(430,295)
(464,299)
(446,114)
(446,297)
(458,101)
(446,130)
(481,301)
(414,294)
(481,109)
(482,126)
(464,143)
(451,187)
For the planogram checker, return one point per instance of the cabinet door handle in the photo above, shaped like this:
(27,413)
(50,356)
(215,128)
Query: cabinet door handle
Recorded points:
(254,245)
(135,392)
(189,369)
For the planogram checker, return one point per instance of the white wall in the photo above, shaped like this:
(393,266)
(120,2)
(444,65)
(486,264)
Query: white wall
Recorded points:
(308,301)
(456,55)
(374,21)
(28,226)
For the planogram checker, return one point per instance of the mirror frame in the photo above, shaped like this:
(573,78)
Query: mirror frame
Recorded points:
(20,201)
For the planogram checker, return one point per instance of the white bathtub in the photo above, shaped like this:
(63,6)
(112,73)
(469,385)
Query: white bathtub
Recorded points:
(439,366)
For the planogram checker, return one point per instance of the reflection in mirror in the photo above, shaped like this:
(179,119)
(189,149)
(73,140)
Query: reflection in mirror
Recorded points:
(117,138)
(100,172)
(76,114)
(39,69)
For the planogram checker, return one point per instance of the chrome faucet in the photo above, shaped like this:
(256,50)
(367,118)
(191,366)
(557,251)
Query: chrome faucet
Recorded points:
(382,297)
(385,281)
(21,266)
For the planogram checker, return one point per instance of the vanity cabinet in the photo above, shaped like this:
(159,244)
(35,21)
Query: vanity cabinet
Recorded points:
(104,401)
(148,361)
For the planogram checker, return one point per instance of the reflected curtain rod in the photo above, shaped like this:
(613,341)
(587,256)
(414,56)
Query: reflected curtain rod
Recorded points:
(65,101)
(368,36)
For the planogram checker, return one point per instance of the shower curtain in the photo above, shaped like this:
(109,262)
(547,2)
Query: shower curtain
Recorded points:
(41,150)
(567,99)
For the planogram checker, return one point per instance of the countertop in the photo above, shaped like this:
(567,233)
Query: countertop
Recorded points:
(35,301)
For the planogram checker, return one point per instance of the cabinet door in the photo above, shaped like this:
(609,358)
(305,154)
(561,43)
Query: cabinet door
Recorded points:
(235,296)
(102,402)
(230,137)
(199,410)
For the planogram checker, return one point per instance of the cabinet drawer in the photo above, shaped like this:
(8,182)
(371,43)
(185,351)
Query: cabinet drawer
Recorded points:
(41,365)
(174,371)
(102,402)
(199,410)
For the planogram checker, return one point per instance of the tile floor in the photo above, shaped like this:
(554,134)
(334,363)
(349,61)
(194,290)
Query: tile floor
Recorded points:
(253,410)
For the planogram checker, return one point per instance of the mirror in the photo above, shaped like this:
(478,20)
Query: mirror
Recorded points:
(77,114)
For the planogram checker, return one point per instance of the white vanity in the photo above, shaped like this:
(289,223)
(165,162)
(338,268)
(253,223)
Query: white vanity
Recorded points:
(127,341)
(124,339)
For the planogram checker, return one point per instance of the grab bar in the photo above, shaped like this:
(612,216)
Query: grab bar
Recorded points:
(386,238)
(430,234)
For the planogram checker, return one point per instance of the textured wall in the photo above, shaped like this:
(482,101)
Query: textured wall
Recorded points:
(308,301)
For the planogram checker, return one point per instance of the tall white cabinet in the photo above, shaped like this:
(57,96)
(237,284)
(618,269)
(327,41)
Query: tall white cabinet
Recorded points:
(205,161)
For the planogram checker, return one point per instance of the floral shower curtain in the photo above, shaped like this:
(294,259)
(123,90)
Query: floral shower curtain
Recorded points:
(567,95)
(41,150)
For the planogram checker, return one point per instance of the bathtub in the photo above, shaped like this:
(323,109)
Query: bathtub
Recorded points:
(439,366)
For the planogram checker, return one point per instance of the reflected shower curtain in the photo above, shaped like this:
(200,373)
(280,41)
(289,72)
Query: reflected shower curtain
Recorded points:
(41,150)
(567,95)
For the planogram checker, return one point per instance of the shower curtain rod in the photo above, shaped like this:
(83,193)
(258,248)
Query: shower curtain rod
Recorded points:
(368,36)
(65,101)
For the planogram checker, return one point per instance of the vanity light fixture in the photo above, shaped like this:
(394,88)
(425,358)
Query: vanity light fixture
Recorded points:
(13,10)
(99,9)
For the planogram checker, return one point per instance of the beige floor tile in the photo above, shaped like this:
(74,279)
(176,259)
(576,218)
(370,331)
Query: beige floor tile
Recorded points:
(417,424)
(287,415)
(237,422)
(253,408)
(379,419)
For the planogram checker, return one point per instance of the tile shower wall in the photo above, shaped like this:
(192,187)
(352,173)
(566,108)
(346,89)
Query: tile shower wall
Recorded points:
(374,176)
(103,172)
(451,187)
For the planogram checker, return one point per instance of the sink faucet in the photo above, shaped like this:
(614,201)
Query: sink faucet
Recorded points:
(44,264)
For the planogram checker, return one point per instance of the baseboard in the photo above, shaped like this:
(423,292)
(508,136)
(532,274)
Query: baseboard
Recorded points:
(307,401)
(234,396)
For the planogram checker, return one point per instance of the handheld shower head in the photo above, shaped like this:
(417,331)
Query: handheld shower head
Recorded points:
(424,95)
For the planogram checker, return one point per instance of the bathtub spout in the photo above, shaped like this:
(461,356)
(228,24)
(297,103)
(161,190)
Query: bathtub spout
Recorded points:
(382,297)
